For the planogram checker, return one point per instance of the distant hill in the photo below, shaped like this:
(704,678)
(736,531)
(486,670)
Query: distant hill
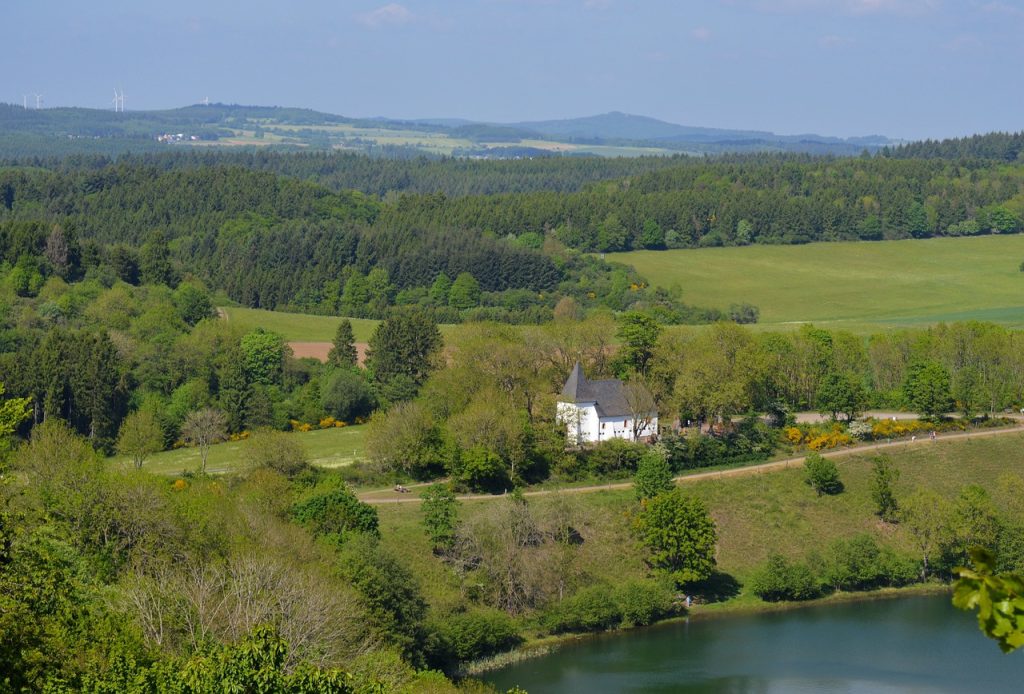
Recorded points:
(624,126)
(62,131)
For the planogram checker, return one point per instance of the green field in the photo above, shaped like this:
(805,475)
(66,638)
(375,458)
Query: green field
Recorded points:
(324,447)
(756,515)
(860,286)
(303,327)
(297,327)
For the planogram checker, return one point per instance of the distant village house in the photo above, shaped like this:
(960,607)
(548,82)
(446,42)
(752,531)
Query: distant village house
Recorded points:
(594,411)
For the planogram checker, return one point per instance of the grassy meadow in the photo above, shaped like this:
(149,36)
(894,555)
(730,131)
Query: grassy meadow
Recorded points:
(859,286)
(324,447)
(301,327)
(755,515)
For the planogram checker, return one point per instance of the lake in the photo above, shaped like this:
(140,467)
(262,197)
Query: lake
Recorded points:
(910,644)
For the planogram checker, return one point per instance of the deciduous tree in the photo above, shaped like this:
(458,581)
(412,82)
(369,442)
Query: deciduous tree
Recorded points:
(679,535)
(926,389)
(653,475)
(140,436)
(203,428)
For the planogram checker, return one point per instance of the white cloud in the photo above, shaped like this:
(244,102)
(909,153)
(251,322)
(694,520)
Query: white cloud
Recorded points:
(392,13)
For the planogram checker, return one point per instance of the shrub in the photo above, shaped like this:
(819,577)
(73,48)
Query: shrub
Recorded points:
(818,437)
(480,469)
(277,451)
(591,609)
(744,313)
(345,395)
(472,635)
(749,440)
(614,457)
(860,430)
(822,474)
(860,564)
(644,602)
(336,513)
(779,579)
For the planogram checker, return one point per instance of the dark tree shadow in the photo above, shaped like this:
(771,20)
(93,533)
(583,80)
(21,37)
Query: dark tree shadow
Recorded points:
(719,587)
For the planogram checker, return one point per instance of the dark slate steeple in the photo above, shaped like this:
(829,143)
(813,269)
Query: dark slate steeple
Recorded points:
(575,389)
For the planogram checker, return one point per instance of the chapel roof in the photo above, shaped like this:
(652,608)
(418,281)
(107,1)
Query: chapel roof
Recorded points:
(609,397)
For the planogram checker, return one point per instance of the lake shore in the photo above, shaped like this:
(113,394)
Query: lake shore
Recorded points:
(737,607)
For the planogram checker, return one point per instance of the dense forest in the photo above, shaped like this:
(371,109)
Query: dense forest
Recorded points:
(275,242)
(341,171)
(1005,147)
(759,199)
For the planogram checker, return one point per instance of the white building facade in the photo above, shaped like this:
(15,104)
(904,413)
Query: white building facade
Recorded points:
(594,411)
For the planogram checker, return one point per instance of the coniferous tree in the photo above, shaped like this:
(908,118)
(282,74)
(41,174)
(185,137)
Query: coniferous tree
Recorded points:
(343,351)
(155,261)
(400,352)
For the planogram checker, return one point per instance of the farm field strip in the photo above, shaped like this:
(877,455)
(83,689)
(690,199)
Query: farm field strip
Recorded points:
(861,286)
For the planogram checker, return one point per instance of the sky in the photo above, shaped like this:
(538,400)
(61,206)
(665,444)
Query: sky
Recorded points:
(907,69)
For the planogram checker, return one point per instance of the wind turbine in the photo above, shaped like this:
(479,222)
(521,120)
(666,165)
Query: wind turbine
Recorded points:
(24,101)
(115,99)
(39,101)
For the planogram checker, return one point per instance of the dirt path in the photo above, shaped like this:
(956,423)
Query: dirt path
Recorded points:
(389,496)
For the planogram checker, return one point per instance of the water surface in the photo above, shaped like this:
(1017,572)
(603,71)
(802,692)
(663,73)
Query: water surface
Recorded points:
(912,644)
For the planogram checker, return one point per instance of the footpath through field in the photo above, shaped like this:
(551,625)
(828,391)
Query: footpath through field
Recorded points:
(389,496)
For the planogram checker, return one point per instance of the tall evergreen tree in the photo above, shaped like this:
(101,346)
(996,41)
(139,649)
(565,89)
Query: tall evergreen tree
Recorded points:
(401,351)
(155,261)
(343,350)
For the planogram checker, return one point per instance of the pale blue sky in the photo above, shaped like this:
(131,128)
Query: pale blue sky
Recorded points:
(903,68)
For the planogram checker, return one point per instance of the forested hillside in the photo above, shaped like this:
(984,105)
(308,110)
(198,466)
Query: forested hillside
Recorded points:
(275,242)
(761,199)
